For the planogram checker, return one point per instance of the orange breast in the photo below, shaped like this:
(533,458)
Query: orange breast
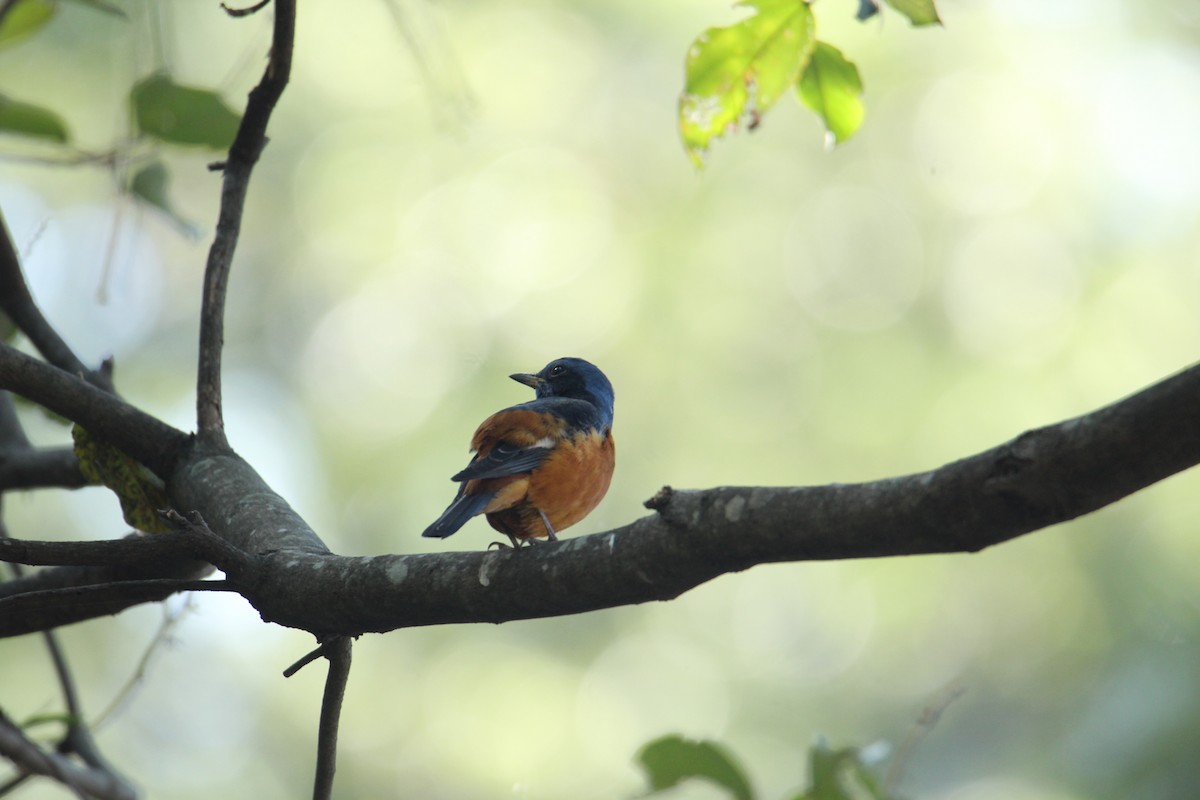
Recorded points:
(573,480)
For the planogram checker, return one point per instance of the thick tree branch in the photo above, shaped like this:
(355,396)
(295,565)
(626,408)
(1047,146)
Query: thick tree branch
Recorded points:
(243,155)
(1042,477)
(147,439)
(17,302)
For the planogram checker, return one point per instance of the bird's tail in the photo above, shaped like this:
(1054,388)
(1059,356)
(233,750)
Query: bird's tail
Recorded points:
(457,513)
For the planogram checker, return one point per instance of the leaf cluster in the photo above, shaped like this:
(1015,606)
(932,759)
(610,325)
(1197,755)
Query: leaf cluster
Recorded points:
(162,112)
(736,73)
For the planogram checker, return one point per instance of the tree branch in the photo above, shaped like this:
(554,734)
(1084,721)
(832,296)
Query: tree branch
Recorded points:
(40,468)
(86,782)
(136,551)
(243,155)
(17,302)
(338,652)
(78,738)
(58,596)
(1042,477)
(149,440)
(22,466)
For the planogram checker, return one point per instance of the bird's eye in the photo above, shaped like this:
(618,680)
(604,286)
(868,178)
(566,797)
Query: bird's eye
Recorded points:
(556,371)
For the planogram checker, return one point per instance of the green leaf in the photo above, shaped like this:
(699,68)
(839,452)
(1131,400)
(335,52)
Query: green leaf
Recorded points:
(736,73)
(673,759)
(151,184)
(23,19)
(840,775)
(831,87)
(182,114)
(26,119)
(919,12)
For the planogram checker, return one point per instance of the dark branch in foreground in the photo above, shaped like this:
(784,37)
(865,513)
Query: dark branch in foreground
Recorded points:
(243,155)
(1043,477)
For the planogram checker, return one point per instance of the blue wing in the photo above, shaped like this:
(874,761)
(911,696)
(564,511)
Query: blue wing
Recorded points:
(502,460)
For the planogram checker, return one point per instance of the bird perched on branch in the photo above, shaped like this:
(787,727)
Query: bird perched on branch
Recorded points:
(541,466)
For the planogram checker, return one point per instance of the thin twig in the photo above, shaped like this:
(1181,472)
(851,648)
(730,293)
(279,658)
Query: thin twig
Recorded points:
(169,621)
(243,155)
(173,585)
(224,555)
(86,782)
(306,659)
(338,653)
(244,12)
(39,609)
(924,724)
(78,738)
(17,302)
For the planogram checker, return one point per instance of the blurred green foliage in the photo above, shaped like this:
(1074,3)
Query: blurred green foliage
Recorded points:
(840,774)
(26,119)
(183,115)
(24,18)
(669,760)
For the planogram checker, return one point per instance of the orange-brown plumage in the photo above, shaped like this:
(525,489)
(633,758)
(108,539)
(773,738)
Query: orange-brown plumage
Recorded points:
(566,487)
(541,466)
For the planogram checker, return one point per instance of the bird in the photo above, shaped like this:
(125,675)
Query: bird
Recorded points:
(541,466)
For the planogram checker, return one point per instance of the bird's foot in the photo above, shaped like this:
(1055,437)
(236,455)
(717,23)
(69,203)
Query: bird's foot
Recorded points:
(549,528)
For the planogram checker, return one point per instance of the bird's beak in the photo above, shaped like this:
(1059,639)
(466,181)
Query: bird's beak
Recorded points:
(532,381)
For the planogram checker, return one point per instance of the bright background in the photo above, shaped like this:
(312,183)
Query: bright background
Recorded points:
(1012,239)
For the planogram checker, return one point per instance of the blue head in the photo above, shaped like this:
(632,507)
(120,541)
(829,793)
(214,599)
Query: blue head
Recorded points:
(576,379)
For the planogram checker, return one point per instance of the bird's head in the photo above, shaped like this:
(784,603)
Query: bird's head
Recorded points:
(572,378)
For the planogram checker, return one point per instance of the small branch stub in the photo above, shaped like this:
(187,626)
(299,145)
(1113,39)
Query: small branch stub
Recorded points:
(660,500)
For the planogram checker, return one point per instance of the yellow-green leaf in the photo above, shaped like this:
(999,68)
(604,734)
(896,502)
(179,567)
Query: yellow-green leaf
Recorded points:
(26,119)
(735,73)
(23,19)
(832,88)
(182,114)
